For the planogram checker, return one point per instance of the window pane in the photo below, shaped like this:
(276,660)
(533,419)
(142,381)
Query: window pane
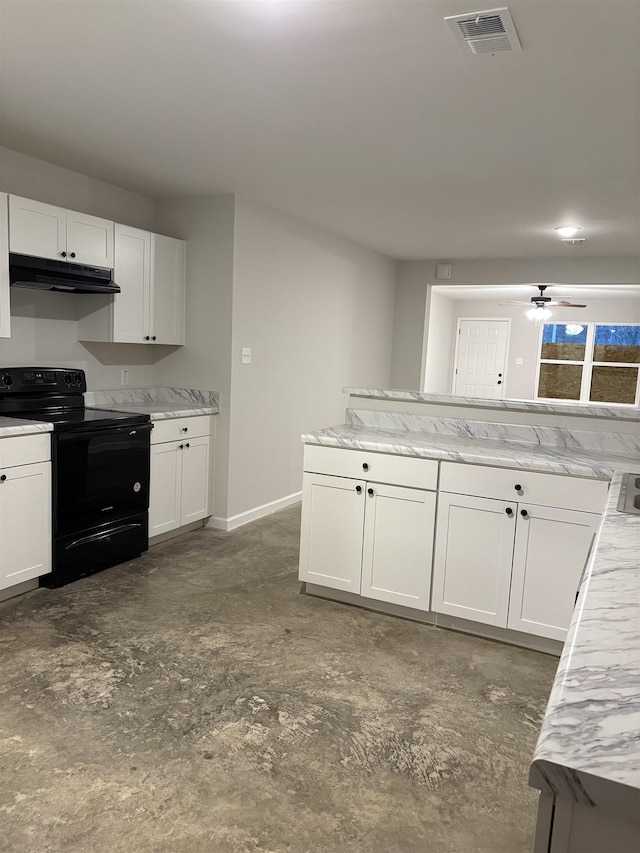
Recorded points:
(614,384)
(564,341)
(560,381)
(617,343)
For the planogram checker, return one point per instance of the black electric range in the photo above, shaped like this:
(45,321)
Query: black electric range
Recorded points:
(100,470)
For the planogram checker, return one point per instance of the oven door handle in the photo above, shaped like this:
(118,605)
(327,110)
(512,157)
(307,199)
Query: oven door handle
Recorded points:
(103,534)
(76,435)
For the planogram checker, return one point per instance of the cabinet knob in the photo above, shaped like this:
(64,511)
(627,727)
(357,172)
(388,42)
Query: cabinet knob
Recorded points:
(187,444)
(358,490)
(518,488)
(181,447)
(509,511)
(63,254)
(153,337)
(365,466)
(185,429)
(3,478)
(499,381)
(146,337)
(524,513)
(370,492)
(73,254)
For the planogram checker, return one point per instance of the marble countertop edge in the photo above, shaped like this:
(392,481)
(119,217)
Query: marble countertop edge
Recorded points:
(22,426)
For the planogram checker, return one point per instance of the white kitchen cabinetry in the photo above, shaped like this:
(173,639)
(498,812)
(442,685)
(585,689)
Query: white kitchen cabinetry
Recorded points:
(25,508)
(150,271)
(367,524)
(47,231)
(511,545)
(5,312)
(180,487)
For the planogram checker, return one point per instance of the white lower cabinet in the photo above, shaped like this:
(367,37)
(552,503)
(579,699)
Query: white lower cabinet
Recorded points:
(511,563)
(365,537)
(25,509)
(180,473)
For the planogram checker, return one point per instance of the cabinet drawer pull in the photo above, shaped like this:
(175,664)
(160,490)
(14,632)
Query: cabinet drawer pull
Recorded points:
(509,511)
(370,492)
(358,490)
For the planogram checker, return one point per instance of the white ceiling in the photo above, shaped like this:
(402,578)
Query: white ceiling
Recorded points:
(364,117)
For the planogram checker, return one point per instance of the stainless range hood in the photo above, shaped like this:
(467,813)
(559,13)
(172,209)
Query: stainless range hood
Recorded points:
(47,274)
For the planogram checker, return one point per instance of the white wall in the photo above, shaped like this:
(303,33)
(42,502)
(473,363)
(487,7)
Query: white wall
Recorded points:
(43,324)
(207,224)
(317,312)
(524,337)
(438,371)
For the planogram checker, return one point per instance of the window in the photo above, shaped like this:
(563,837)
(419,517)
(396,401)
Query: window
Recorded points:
(589,362)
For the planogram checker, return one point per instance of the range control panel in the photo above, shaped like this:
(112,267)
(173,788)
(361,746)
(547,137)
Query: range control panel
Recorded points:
(25,380)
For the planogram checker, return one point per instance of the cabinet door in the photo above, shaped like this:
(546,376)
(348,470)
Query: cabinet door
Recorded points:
(195,479)
(167,290)
(165,488)
(472,559)
(550,551)
(25,523)
(89,239)
(36,228)
(5,316)
(132,274)
(398,541)
(331,531)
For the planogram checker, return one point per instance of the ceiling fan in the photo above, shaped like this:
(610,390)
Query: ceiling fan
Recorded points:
(542,301)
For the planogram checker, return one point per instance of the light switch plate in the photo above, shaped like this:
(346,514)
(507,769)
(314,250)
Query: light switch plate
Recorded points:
(124,377)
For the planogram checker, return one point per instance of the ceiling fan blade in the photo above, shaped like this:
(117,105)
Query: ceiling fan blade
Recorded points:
(566,305)
(514,302)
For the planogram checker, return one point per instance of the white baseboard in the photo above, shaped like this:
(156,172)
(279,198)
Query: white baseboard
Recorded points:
(234,521)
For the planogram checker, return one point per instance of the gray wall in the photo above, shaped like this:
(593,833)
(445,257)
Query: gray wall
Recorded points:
(207,224)
(415,279)
(317,312)
(44,325)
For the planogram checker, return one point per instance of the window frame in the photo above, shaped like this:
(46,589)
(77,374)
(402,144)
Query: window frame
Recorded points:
(587,364)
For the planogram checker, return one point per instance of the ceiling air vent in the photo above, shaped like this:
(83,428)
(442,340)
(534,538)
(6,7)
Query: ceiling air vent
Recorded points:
(488,32)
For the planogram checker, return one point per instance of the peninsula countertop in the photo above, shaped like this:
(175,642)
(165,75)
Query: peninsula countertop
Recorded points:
(588,744)
(159,411)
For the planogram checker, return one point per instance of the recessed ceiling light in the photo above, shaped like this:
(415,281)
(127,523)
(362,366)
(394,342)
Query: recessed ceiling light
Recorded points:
(568,230)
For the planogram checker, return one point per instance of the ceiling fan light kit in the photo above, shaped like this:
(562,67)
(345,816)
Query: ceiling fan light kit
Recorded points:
(568,231)
(539,305)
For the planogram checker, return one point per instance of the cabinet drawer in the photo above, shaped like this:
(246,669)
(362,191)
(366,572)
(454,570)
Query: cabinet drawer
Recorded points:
(375,467)
(556,490)
(172,429)
(25,449)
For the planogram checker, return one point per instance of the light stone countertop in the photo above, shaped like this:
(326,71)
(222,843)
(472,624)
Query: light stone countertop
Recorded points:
(158,411)
(505,454)
(589,744)
(22,426)
(624,413)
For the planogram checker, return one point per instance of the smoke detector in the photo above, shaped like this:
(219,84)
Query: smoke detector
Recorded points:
(488,32)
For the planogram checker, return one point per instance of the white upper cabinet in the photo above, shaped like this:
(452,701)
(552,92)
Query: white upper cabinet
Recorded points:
(47,231)
(5,319)
(166,324)
(150,272)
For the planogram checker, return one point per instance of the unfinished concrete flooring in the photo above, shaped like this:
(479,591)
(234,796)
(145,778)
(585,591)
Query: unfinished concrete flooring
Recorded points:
(194,700)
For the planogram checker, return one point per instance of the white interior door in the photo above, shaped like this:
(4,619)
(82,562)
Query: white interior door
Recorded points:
(481,351)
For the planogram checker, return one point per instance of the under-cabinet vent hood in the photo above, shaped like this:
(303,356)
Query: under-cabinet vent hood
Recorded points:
(47,274)
(489,32)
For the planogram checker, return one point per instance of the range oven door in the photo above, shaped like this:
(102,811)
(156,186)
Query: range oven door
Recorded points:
(100,475)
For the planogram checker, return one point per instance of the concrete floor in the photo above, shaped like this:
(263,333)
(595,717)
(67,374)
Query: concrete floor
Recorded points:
(194,700)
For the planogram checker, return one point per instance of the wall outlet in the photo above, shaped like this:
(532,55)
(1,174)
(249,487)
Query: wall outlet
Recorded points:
(124,377)
(246,355)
